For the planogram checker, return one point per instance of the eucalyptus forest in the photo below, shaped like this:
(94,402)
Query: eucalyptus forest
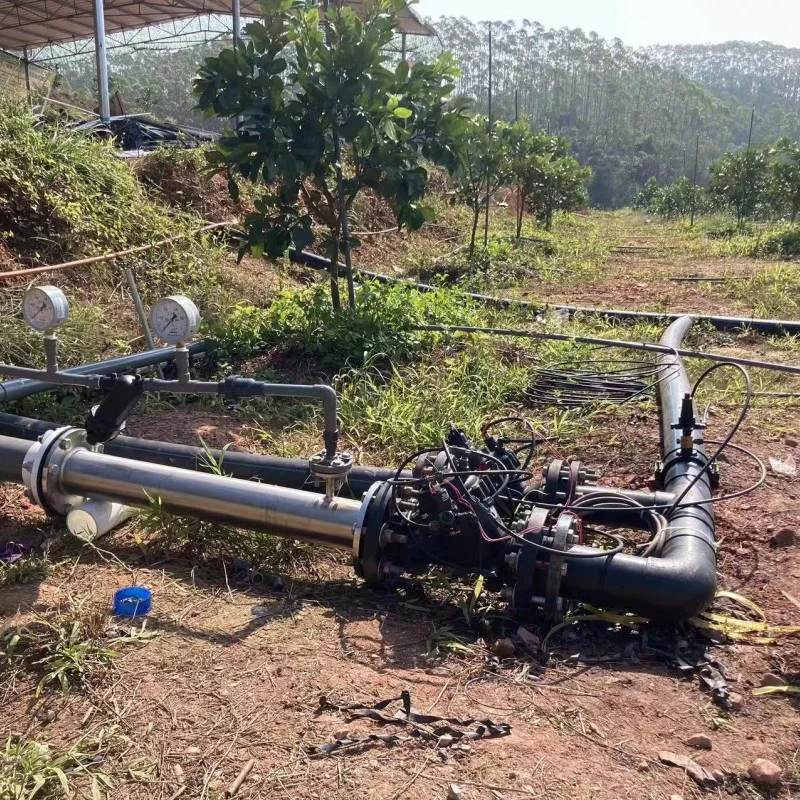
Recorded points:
(631,115)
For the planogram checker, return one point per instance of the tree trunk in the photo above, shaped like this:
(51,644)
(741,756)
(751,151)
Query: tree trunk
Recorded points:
(520,210)
(476,216)
(336,299)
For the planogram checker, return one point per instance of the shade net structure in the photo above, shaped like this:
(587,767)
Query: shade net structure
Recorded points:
(74,37)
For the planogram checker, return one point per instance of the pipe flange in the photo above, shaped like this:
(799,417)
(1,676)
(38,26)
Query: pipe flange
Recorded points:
(324,467)
(557,566)
(368,565)
(522,597)
(41,469)
(552,480)
(358,526)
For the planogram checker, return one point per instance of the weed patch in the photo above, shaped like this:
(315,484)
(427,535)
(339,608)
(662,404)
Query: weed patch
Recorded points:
(158,531)
(381,327)
(65,196)
(31,769)
(64,649)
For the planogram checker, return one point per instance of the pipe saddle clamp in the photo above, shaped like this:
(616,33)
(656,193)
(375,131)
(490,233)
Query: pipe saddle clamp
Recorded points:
(43,467)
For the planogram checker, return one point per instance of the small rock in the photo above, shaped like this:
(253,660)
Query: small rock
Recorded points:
(700,741)
(177,771)
(643,766)
(342,734)
(765,773)
(772,679)
(785,537)
(530,640)
(192,751)
(742,551)
(790,441)
(675,797)
(786,467)
(719,775)
(504,648)
(736,701)
(455,792)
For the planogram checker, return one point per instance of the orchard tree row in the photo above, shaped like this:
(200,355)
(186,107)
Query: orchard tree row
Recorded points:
(761,183)
(546,177)
(630,115)
(318,113)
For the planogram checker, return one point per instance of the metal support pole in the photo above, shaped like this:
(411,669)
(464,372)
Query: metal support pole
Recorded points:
(237,35)
(491,132)
(237,23)
(694,179)
(26,65)
(102,62)
(402,47)
(142,314)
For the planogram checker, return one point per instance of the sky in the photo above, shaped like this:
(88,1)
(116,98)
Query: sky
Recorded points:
(642,22)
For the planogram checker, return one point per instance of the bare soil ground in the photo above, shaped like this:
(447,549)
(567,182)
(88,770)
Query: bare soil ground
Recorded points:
(236,671)
(642,280)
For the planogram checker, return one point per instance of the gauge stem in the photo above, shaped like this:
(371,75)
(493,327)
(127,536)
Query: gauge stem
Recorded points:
(182,363)
(51,351)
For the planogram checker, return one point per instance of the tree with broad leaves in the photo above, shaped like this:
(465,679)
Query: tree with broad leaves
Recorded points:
(739,182)
(557,182)
(784,178)
(482,168)
(546,176)
(320,115)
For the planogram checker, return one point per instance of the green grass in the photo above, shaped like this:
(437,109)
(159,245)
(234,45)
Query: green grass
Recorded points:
(30,769)
(30,569)
(156,532)
(575,249)
(771,292)
(398,409)
(64,649)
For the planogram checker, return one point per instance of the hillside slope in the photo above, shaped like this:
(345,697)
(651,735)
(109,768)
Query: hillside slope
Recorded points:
(760,74)
(631,114)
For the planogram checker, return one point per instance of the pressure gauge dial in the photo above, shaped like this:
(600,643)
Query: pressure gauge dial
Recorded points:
(45,308)
(175,319)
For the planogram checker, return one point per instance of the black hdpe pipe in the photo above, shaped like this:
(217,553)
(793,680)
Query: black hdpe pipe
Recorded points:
(24,387)
(768,327)
(682,581)
(11,462)
(293,473)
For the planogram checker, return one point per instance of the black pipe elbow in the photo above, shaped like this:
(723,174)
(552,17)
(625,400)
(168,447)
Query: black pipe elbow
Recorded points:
(682,581)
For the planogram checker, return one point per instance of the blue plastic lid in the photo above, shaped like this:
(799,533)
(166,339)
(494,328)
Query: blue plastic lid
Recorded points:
(133,601)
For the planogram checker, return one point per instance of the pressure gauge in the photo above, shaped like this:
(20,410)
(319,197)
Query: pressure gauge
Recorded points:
(175,319)
(45,308)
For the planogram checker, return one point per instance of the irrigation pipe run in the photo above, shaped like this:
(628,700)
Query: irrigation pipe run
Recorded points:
(764,326)
(81,262)
(593,340)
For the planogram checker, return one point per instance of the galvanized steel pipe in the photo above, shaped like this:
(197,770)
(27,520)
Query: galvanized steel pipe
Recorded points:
(245,504)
